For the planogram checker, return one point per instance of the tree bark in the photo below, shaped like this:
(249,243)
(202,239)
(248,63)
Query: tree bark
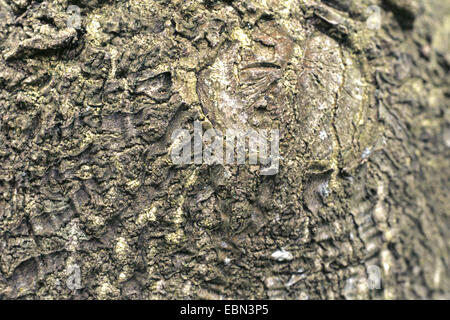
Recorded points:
(93,206)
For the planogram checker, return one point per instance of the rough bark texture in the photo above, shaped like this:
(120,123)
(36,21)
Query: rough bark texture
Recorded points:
(87,181)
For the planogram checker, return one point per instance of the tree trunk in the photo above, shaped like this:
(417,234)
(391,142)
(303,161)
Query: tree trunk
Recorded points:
(93,204)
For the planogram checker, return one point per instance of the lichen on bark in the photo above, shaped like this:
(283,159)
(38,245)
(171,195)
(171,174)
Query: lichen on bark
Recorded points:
(88,187)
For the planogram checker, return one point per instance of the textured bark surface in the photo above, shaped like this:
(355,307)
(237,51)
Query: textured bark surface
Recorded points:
(88,187)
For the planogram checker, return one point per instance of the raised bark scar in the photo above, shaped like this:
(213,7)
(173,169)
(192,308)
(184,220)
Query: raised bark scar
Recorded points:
(241,89)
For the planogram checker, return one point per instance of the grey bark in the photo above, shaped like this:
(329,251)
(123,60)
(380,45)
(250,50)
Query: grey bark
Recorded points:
(93,207)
